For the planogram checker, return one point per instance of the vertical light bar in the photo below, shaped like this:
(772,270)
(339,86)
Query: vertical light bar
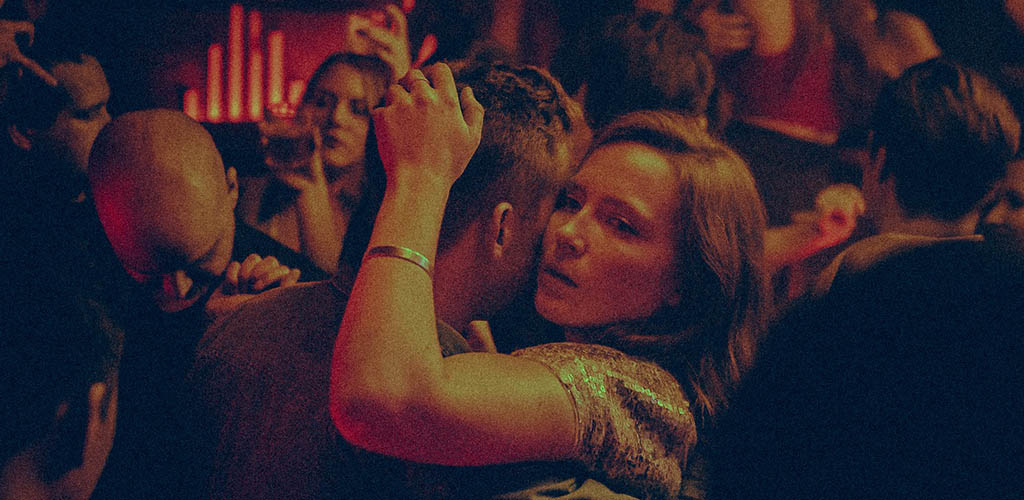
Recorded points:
(295,90)
(190,104)
(275,63)
(214,81)
(235,62)
(255,66)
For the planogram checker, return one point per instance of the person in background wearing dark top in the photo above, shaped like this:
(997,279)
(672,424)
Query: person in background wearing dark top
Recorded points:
(53,128)
(308,206)
(942,136)
(262,373)
(904,382)
(166,204)
(59,355)
(48,134)
(307,203)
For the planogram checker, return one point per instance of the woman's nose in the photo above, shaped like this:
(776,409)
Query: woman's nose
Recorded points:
(340,114)
(569,241)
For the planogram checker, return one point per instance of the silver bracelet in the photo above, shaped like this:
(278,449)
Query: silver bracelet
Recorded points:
(403,253)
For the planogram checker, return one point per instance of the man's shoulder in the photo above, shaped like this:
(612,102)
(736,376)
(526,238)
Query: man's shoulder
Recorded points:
(275,318)
(249,240)
(869,252)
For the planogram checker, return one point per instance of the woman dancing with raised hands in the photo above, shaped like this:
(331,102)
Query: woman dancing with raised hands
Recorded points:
(652,262)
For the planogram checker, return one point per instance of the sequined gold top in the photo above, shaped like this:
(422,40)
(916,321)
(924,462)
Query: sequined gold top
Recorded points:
(634,428)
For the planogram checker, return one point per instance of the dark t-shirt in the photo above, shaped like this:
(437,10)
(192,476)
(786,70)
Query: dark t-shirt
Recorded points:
(261,379)
(150,454)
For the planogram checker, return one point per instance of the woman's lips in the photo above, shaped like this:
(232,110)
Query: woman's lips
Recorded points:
(549,271)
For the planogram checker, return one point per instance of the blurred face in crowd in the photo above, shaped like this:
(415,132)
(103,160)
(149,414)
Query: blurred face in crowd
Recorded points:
(609,251)
(340,104)
(70,138)
(1002,217)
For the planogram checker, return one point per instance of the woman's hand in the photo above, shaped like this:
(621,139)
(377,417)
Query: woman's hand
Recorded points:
(425,132)
(386,38)
(292,151)
(725,33)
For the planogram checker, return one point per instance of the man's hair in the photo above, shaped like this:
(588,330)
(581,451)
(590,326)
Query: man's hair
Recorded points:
(54,344)
(32,103)
(524,150)
(948,133)
(647,61)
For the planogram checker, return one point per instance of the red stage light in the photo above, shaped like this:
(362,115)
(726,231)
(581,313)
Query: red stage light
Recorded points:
(235,62)
(255,66)
(275,61)
(214,68)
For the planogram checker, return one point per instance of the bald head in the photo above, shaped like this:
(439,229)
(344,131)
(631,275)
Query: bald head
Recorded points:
(162,193)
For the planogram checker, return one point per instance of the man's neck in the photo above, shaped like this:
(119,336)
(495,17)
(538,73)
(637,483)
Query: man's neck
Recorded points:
(454,292)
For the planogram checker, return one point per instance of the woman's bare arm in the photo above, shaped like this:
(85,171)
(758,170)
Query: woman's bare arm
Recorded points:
(391,391)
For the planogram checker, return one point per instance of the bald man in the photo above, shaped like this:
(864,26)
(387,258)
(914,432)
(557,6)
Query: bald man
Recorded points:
(166,204)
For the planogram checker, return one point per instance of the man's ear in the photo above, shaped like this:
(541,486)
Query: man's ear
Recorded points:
(21,138)
(102,417)
(500,230)
(232,177)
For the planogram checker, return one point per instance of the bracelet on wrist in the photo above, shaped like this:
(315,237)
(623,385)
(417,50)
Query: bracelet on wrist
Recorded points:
(406,254)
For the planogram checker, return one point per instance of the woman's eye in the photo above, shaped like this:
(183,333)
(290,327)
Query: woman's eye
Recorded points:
(359,108)
(566,202)
(622,226)
(321,101)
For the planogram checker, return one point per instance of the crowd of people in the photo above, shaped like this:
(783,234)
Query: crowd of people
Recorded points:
(717,250)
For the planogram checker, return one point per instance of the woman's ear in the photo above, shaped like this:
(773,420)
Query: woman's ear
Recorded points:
(500,230)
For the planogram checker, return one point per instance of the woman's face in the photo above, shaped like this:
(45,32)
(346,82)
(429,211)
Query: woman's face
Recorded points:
(609,251)
(341,105)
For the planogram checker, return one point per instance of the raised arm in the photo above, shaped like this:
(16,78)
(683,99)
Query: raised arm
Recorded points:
(319,232)
(391,391)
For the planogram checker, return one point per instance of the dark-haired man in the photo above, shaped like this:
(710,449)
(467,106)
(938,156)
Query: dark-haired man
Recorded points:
(59,383)
(942,135)
(263,373)
(55,126)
